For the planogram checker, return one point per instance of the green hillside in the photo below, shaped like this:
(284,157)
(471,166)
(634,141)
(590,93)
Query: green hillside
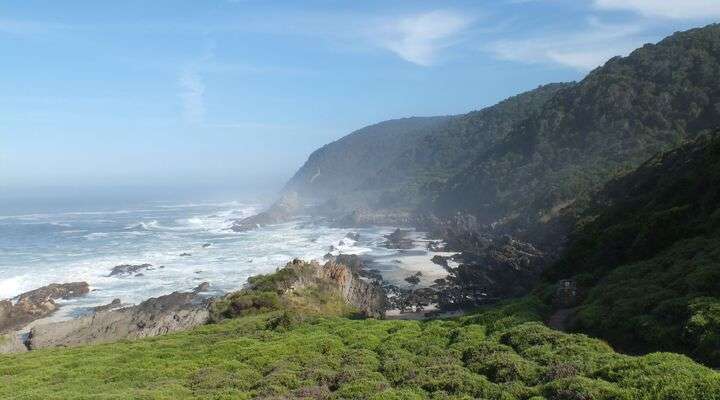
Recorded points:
(617,117)
(647,256)
(489,355)
(392,163)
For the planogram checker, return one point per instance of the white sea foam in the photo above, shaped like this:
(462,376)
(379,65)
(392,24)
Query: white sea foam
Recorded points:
(11,287)
(159,235)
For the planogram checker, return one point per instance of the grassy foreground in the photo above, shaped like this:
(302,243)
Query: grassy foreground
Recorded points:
(498,354)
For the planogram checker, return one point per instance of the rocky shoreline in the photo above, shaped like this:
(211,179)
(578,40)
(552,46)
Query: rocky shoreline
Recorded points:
(488,267)
(174,312)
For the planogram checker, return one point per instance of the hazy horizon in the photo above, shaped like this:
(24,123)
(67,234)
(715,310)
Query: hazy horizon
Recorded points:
(226,95)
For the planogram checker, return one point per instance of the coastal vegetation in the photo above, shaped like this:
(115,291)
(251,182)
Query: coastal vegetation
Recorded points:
(500,353)
(646,256)
(625,163)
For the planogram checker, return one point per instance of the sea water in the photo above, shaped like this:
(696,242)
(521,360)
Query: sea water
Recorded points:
(186,244)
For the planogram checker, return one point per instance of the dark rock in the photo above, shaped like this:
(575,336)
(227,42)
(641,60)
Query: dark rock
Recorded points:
(341,243)
(351,260)
(408,300)
(281,211)
(414,279)
(128,269)
(206,245)
(492,269)
(440,260)
(398,240)
(203,287)
(36,304)
(138,275)
(185,254)
(156,316)
(435,246)
(353,236)
(116,303)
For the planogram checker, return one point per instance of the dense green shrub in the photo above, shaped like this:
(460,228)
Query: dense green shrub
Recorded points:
(646,256)
(338,358)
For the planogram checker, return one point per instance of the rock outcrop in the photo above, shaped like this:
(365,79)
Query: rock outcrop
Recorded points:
(398,239)
(365,294)
(492,269)
(129,269)
(174,312)
(36,304)
(116,303)
(281,211)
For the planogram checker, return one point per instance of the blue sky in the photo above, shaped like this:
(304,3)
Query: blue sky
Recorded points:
(231,93)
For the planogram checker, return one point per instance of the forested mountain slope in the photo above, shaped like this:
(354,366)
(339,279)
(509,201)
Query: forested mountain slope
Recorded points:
(618,116)
(392,159)
(343,165)
(447,149)
(646,256)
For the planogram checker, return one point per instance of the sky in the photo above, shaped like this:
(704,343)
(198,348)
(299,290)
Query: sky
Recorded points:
(237,93)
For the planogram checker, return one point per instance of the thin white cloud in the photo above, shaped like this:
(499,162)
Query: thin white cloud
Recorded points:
(192,95)
(582,50)
(419,38)
(672,9)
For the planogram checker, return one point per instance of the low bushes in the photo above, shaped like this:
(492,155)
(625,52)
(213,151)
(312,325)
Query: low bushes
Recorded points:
(286,355)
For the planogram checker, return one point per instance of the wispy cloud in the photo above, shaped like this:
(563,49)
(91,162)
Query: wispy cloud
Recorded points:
(583,50)
(192,95)
(419,38)
(672,9)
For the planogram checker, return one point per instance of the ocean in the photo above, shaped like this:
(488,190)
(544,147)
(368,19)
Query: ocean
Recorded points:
(186,243)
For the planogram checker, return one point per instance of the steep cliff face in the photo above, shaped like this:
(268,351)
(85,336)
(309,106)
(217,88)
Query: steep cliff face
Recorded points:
(365,295)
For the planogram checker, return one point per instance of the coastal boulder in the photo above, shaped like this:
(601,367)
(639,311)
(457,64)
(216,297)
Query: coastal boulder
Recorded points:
(36,304)
(129,269)
(399,239)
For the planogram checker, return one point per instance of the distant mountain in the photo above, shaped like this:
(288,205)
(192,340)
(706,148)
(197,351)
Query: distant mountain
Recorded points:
(646,256)
(618,116)
(342,166)
(388,164)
